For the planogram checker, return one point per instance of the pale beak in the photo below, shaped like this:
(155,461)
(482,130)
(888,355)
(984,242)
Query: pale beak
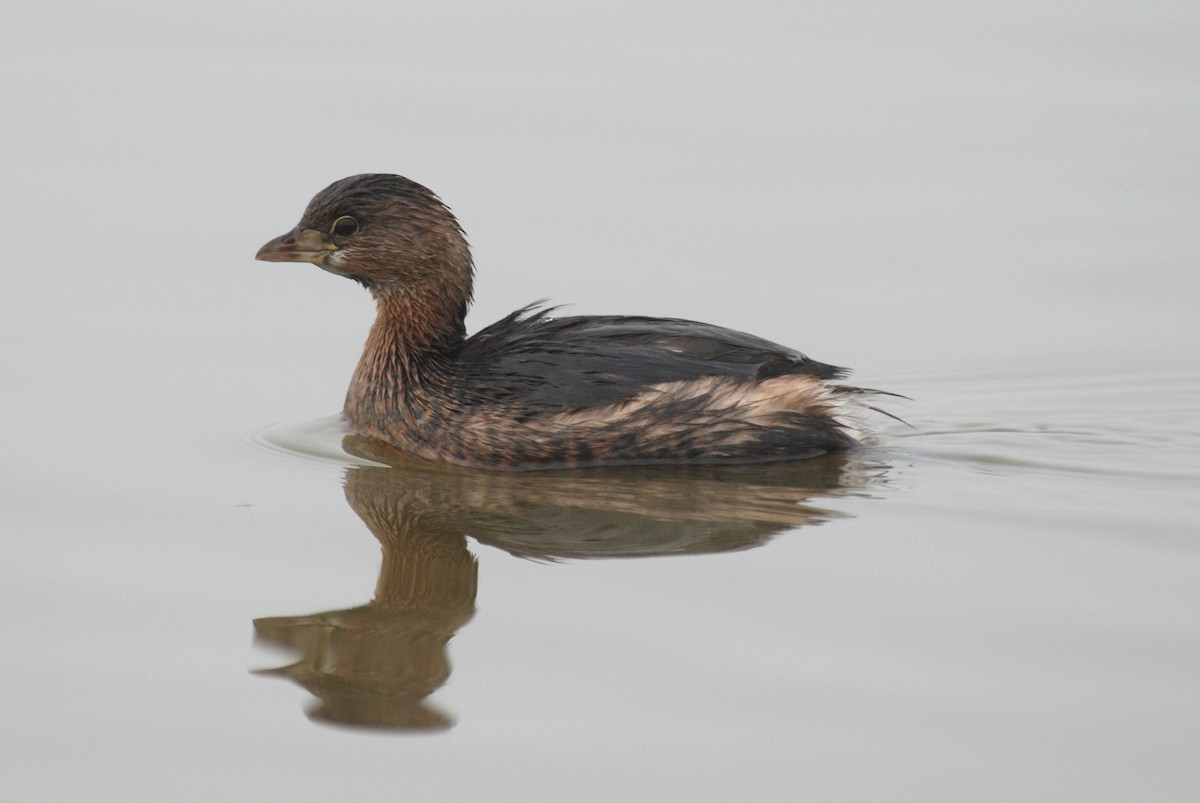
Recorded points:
(298,245)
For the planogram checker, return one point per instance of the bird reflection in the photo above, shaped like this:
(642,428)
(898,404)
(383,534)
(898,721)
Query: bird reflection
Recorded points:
(375,665)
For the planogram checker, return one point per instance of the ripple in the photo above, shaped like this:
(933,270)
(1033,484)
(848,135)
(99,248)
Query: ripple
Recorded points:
(310,440)
(1126,426)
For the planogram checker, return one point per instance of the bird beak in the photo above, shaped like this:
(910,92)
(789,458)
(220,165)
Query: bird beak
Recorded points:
(298,245)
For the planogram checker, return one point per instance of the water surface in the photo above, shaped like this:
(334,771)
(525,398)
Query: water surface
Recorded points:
(989,209)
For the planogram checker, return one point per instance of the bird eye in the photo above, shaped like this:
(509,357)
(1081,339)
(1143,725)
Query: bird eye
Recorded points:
(344,226)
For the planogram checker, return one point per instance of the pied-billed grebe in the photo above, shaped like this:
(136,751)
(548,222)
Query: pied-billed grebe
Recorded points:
(538,391)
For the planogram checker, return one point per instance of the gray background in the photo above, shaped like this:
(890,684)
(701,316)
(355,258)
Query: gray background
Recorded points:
(990,207)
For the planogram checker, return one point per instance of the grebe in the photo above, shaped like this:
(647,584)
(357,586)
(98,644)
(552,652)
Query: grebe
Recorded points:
(538,391)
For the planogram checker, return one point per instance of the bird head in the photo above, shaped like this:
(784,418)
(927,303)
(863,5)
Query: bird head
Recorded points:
(384,231)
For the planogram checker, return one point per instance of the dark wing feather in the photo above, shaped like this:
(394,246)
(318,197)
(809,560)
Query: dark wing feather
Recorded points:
(553,364)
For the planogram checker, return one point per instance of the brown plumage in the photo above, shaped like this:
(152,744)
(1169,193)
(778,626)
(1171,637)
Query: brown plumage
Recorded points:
(538,391)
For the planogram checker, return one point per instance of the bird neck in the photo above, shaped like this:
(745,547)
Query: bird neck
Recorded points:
(413,334)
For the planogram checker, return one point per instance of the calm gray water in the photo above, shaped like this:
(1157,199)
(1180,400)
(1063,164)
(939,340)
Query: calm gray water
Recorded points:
(994,211)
